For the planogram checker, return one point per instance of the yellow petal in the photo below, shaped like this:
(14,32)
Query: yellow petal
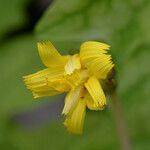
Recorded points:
(101,66)
(50,56)
(77,78)
(94,88)
(74,122)
(93,57)
(91,49)
(71,100)
(72,64)
(93,45)
(38,82)
(91,104)
(45,92)
(59,84)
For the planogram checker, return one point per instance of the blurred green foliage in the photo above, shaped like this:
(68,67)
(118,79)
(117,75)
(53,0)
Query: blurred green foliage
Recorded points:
(12,14)
(122,24)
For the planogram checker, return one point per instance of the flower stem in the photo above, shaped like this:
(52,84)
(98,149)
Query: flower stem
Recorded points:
(120,122)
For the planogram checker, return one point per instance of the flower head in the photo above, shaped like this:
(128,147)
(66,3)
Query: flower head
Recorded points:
(79,75)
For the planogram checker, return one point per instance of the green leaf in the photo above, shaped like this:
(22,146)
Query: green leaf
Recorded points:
(122,24)
(17,58)
(83,20)
(12,15)
(125,26)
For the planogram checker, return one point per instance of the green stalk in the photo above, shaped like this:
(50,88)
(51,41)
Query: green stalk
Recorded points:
(120,122)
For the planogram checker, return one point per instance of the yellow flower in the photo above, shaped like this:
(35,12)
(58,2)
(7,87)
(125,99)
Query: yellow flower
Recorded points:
(79,75)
